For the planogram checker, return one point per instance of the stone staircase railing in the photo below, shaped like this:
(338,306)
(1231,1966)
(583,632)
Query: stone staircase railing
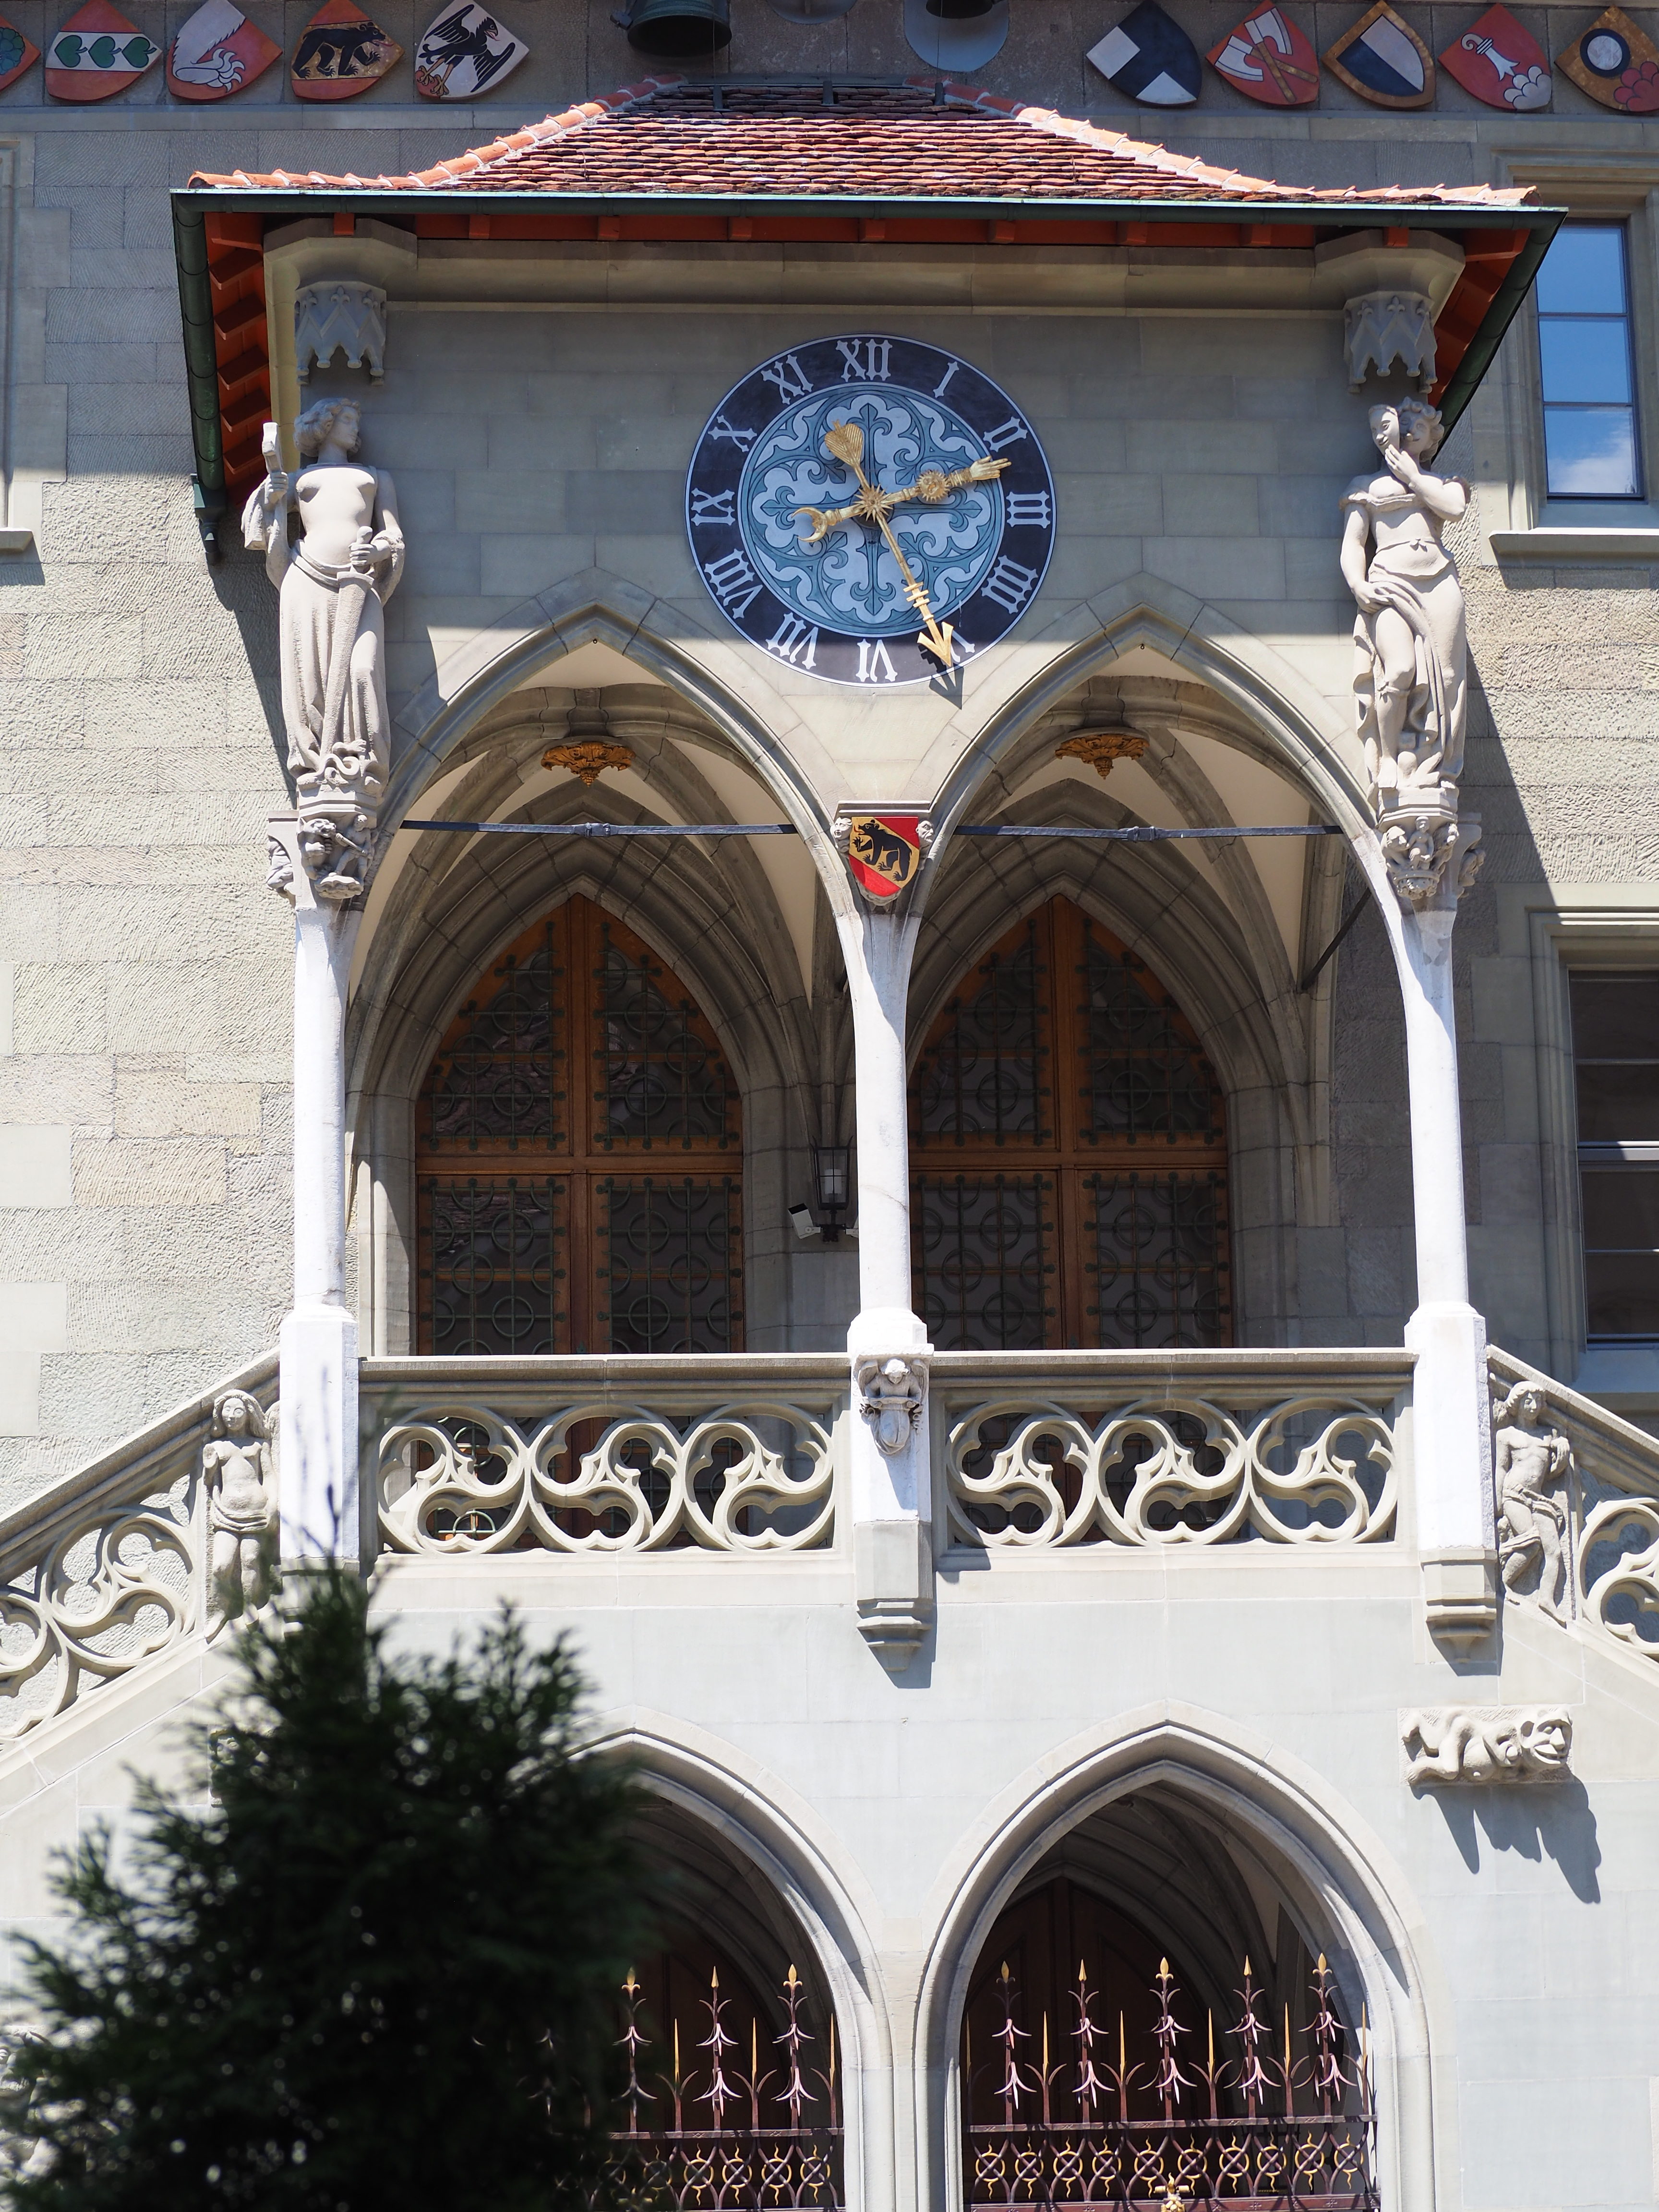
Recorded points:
(745,1456)
(1578,1492)
(111,1566)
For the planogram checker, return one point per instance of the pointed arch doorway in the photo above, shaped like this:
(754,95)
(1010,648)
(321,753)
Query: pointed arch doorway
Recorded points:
(579,1157)
(1069,1154)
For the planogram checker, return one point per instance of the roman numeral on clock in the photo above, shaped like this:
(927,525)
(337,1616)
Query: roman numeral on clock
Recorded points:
(712,506)
(875,662)
(790,379)
(1010,584)
(1030,510)
(866,359)
(1006,434)
(733,583)
(719,428)
(795,642)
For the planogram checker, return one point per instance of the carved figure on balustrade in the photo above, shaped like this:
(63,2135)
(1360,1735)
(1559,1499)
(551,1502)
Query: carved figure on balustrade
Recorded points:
(22,2152)
(1486,1743)
(334,579)
(1411,654)
(239,1473)
(1532,1462)
(891,1395)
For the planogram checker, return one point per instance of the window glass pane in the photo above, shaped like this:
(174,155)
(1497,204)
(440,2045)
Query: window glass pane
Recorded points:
(1616,1016)
(1584,359)
(1622,1294)
(1621,1209)
(1583,272)
(1592,452)
(1617,1104)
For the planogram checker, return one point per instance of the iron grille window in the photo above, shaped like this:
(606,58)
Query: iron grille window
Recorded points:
(1159,1270)
(1615,1040)
(1085,1202)
(983,1076)
(668,1275)
(491,1263)
(982,1280)
(565,1249)
(1586,362)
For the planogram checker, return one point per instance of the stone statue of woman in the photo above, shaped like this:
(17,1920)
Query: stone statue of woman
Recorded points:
(1411,655)
(238,1471)
(335,579)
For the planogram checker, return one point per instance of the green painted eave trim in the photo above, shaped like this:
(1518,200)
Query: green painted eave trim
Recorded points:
(1505,305)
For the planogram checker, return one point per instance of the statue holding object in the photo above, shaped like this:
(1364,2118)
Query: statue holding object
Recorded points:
(1411,656)
(334,580)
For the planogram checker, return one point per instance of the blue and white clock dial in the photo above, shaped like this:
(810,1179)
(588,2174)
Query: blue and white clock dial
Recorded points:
(768,508)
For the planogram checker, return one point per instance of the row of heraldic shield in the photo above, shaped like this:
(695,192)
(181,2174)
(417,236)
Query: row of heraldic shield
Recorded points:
(465,50)
(1269,58)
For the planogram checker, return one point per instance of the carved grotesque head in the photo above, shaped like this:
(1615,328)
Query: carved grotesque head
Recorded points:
(1546,1739)
(337,419)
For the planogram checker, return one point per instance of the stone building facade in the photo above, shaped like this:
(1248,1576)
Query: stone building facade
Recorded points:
(1284,1590)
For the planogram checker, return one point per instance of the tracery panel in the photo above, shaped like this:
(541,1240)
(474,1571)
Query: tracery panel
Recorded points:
(1071,1156)
(577,1157)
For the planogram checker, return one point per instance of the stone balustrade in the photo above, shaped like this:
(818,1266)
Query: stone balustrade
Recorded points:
(1043,1449)
(1577,1496)
(153,1543)
(115,1564)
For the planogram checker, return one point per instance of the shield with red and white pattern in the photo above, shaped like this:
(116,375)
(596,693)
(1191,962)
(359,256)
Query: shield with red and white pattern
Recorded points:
(1500,63)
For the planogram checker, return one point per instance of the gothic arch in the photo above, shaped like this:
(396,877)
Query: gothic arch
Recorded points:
(1349,1897)
(780,1836)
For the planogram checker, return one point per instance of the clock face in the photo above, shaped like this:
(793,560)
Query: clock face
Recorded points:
(828,593)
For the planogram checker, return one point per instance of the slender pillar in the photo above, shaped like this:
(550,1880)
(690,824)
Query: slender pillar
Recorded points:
(320,1508)
(1451,1403)
(887,1343)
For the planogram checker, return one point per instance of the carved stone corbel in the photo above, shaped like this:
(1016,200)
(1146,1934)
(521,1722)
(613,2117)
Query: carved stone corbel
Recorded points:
(1380,329)
(1464,1745)
(340,315)
(1431,856)
(891,1394)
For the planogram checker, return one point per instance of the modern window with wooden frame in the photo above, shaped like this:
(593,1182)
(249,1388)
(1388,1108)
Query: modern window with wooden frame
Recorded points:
(1069,1154)
(577,1157)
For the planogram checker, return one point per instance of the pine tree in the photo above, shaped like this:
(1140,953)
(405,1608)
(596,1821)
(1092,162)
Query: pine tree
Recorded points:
(376,1970)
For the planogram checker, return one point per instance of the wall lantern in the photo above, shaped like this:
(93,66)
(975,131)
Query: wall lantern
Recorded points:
(832,1186)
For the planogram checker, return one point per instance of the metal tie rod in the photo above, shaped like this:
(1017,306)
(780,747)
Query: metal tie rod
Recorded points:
(1138,835)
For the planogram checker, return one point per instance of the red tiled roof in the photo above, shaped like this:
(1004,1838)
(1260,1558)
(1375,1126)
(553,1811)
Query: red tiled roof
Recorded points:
(669,136)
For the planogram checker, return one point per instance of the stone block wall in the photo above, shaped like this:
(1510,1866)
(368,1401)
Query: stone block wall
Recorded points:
(143,990)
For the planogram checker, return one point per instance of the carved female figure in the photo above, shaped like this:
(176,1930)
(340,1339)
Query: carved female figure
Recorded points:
(1411,655)
(237,1469)
(1531,1459)
(335,580)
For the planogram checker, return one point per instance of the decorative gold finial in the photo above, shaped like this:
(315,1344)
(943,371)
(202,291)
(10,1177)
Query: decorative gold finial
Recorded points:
(587,761)
(1098,748)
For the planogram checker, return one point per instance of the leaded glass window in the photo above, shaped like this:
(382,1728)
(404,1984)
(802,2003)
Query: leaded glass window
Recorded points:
(535,1233)
(1070,1155)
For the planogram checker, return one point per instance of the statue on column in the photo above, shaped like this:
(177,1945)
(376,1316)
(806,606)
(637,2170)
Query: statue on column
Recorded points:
(335,579)
(1410,651)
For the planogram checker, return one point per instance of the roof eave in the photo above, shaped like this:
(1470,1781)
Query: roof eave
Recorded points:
(368,199)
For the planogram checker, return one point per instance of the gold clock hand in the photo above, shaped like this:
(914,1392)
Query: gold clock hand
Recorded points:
(845,441)
(932,486)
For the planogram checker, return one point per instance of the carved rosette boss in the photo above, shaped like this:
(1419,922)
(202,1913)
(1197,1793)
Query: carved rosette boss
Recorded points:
(334,579)
(1411,657)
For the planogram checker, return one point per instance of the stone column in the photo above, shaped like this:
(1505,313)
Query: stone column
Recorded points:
(1451,1405)
(318,1455)
(891,1496)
